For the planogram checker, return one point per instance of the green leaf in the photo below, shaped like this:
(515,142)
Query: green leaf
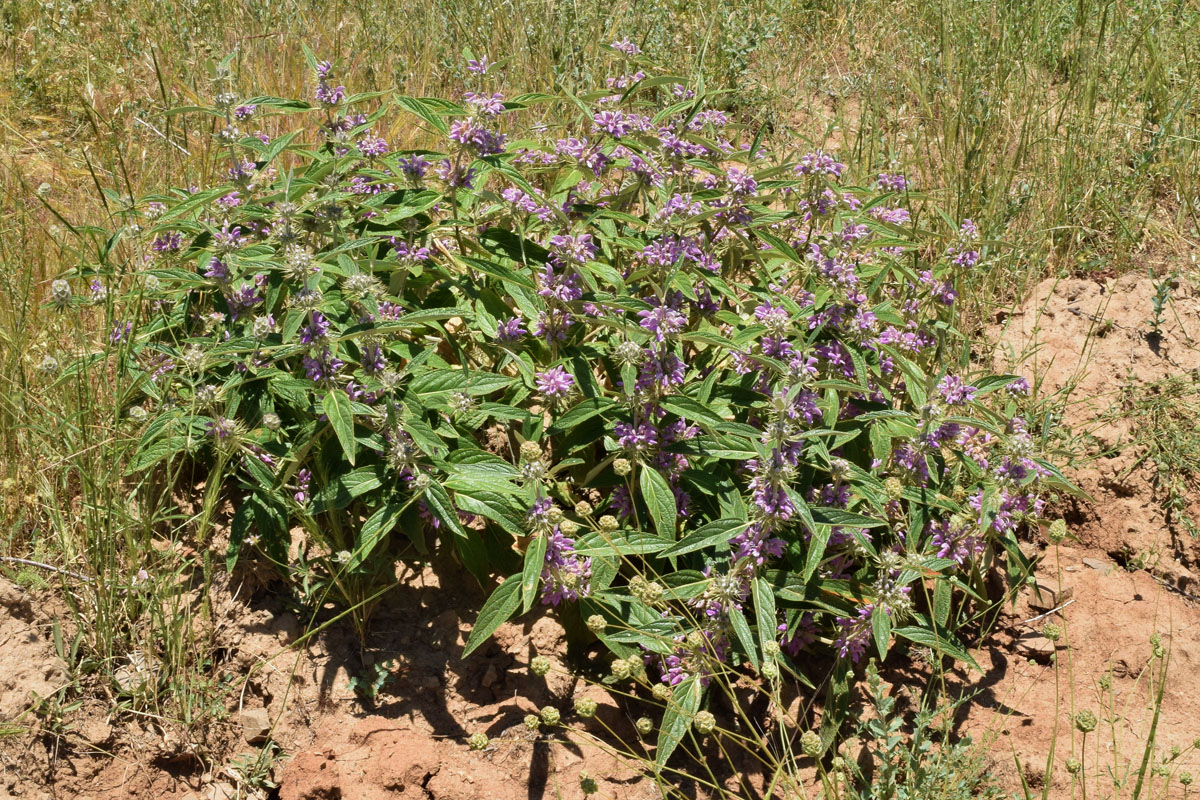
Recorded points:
(493,506)
(373,530)
(764,610)
(423,109)
(836,516)
(580,413)
(531,575)
(881,627)
(685,702)
(498,609)
(714,534)
(439,503)
(690,409)
(941,601)
(336,406)
(929,638)
(659,499)
(742,629)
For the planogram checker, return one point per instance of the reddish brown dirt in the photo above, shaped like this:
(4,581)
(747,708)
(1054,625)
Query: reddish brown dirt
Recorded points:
(411,742)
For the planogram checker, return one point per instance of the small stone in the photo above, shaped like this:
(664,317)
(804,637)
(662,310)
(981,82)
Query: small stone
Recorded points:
(1037,647)
(1045,597)
(490,676)
(256,725)
(220,791)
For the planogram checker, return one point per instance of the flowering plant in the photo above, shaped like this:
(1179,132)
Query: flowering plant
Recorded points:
(646,370)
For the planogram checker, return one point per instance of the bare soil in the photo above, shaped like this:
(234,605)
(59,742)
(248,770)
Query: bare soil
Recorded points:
(1085,342)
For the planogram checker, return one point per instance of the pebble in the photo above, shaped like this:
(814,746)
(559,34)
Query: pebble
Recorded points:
(1096,563)
(256,725)
(490,676)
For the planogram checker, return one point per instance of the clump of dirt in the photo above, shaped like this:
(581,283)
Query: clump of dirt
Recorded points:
(1102,354)
(28,665)
(1119,360)
(1032,687)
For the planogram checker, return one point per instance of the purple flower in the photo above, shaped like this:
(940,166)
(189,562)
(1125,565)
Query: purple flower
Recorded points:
(414,167)
(741,182)
(303,477)
(480,66)
(1018,388)
(487,105)
(372,146)
(854,634)
(456,177)
(819,163)
(662,369)
(120,331)
(323,367)
(219,428)
(954,391)
(638,439)
(510,330)
(316,330)
(565,576)
(555,383)
(662,321)
(168,242)
(627,47)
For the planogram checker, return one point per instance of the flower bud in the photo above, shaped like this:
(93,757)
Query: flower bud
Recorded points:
(1185,778)
(533,721)
(810,744)
(596,624)
(661,692)
(1051,631)
(539,665)
(1057,532)
(894,488)
(587,784)
(620,669)
(583,508)
(477,741)
(644,725)
(550,715)
(608,523)
(49,365)
(569,527)
(1085,721)
(704,722)
(60,293)
(622,467)
(585,707)
(530,451)
(1073,765)
(770,670)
